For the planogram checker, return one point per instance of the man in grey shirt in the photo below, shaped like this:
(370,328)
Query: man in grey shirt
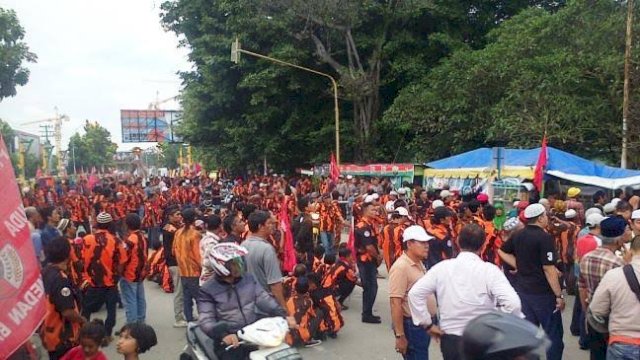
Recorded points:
(262,261)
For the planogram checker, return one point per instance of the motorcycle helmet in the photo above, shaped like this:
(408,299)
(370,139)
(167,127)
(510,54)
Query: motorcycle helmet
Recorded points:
(223,255)
(500,336)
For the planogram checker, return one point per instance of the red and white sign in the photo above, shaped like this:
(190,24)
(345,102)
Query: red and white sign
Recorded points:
(22,297)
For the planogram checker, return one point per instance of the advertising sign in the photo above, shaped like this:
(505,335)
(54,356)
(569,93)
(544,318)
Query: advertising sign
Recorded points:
(149,125)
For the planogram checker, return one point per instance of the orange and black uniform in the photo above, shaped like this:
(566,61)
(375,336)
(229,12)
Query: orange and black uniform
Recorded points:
(341,278)
(392,243)
(102,255)
(300,306)
(441,248)
(366,244)
(135,257)
(186,248)
(59,334)
(325,301)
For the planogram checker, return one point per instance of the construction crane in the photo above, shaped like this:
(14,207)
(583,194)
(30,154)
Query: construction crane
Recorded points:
(156,104)
(57,134)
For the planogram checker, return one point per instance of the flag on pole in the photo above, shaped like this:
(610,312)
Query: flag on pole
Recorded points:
(334,171)
(538,174)
(22,296)
(290,260)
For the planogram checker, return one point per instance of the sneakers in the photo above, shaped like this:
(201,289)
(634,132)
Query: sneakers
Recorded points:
(312,343)
(344,307)
(371,319)
(180,324)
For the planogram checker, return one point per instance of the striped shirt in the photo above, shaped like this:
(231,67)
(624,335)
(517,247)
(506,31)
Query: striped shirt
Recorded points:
(594,265)
(186,248)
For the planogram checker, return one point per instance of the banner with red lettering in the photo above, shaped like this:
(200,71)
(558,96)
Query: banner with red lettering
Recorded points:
(22,297)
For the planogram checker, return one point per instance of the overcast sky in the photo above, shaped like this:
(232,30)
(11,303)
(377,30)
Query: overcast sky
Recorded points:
(94,58)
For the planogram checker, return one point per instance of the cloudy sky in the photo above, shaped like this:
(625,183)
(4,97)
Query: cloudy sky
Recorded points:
(94,58)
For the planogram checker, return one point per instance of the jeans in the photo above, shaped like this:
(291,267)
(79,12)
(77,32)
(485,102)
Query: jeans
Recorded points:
(178,301)
(369,281)
(93,300)
(541,311)
(418,340)
(451,346)
(326,238)
(190,290)
(135,305)
(620,351)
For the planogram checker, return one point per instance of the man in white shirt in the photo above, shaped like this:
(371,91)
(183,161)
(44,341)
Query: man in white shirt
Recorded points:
(465,287)
(210,239)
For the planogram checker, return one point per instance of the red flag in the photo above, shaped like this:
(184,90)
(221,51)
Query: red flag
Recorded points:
(351,242)
(538,174)
(290,260)
(22,295)
(334,171)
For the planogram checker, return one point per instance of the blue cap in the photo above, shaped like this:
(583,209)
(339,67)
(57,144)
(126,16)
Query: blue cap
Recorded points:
(613,226)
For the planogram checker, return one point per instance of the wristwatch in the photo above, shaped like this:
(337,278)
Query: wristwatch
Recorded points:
(561,296)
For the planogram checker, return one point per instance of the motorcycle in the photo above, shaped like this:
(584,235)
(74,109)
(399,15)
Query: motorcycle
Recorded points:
(267,334)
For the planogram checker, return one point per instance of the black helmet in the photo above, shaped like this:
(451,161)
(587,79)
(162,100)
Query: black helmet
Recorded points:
(500,336)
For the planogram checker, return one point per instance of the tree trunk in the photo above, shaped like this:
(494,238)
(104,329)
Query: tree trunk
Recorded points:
(366,106)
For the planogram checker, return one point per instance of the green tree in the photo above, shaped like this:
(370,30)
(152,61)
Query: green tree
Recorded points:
(555,71)
(93,148)
(240,114)
(13,54)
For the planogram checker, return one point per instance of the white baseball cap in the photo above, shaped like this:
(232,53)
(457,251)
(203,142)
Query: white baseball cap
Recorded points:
(375,196)
(389,206)
(369,199)
(402,191)
(534,210)
(609,208)
(570,214)
(615,201)
(437,204)
(394,193)
(635,215)
(593,210)
(445,193)
(594,220)
(402,211)
(416,233)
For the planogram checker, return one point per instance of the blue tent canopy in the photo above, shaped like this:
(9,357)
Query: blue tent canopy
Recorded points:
(560,164)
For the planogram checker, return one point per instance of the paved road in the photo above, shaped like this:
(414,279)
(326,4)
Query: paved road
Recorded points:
(355,340)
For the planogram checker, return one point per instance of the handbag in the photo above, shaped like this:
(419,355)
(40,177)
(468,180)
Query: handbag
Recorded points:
(600,323)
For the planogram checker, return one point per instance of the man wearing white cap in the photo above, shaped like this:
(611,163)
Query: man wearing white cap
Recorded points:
(635,222)
(465,287)
(537,281)
(411,340)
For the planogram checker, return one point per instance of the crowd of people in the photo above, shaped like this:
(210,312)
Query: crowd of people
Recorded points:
(274,247)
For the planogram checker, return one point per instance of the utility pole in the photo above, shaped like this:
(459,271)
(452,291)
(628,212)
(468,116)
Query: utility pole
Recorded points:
(627,70)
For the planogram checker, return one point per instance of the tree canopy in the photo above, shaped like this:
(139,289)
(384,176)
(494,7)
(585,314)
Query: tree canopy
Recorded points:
(561,72)
(93,148)
(375,48)
(14,53)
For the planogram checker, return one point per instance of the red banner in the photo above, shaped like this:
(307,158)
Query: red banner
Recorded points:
(22,297)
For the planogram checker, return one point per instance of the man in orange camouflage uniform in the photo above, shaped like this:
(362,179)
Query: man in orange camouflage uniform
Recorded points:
(61,324)
(102,256)
(368,259)
(330,218)
(392,236)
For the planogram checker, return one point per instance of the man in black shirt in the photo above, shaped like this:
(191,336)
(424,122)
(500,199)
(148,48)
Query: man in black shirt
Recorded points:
(532,251)
(174,222)
(302,229)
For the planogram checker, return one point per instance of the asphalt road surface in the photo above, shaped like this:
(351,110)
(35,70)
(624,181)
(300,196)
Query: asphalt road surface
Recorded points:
(355,341)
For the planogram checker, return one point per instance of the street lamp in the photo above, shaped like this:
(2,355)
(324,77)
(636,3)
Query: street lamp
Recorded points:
(235,57)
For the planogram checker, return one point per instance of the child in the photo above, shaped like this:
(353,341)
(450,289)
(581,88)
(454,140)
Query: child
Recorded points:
(90,338)
(289,283)
(318,254)
(135,339)
(324,300)
(341,278)
(300,306)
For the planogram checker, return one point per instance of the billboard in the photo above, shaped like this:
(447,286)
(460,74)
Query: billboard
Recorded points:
(149,125)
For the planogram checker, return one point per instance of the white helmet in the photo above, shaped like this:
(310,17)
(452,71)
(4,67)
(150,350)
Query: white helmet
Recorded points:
(221,254)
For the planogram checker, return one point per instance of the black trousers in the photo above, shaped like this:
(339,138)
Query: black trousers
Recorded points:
(597,344)
(451,346)
(93,300)
(344,290)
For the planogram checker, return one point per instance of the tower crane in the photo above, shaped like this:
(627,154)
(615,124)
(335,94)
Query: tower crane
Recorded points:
(156,104)
(57,134)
